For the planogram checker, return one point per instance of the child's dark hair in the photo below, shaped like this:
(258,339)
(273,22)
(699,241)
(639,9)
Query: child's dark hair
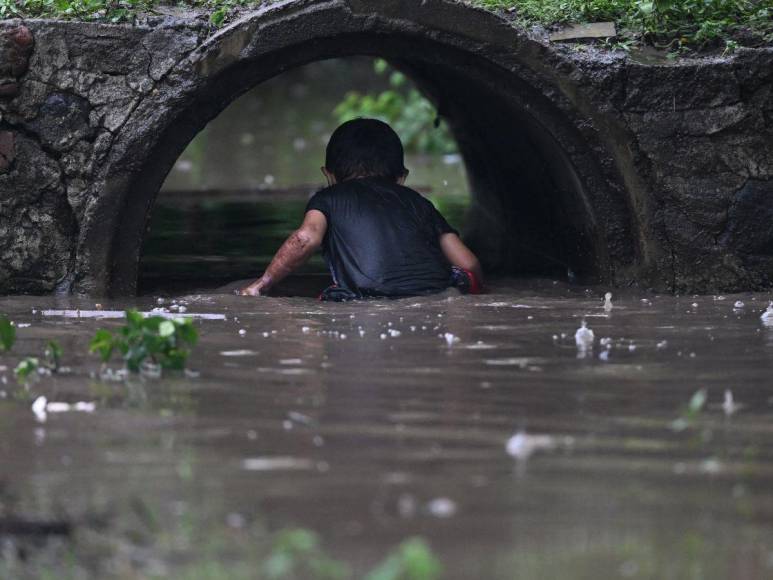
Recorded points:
(365,148)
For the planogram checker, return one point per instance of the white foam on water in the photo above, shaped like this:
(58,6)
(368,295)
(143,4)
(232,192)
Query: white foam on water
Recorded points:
(276,464)
(520,361)
(70,313)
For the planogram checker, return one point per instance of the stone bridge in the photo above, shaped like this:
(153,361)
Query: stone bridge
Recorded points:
(659,175)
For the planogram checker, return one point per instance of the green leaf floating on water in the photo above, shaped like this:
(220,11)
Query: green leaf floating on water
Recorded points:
(163,341)
(25,368)
(7,334)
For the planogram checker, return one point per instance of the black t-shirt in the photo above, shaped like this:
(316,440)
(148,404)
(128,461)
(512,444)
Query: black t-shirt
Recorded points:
(382,239)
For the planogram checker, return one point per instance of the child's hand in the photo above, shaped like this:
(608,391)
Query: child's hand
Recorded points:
(257,288)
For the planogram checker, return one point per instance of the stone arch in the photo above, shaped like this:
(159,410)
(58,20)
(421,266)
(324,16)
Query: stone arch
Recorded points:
(545,184)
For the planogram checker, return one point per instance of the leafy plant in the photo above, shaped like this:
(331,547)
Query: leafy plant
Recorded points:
(7,334)
(50,363)
(411,560)
(667,23)
(164,341)
(26,367)
(409,113)
(671,24)
(692,412)
(296,553)
(53,355)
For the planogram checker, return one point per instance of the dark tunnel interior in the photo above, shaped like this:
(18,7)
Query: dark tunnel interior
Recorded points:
(529,214)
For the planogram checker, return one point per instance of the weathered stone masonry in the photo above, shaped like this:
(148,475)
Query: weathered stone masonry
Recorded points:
(659,175)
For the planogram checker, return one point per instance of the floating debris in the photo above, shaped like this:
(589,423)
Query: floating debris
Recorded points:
(394,333)
(150,370)
(305,329)
(276,464)
(442,507)
(39,408)
(118,375)
(661,345)
(42,406)
(242,332)
(480,345)
(521,446)
(584,337)
(450,339)
(767,316)
(242,352)
(711,466)
(82,406)
(608,302)
(301,418)
(729,406)
(122,314)
(738,305)
(519,361)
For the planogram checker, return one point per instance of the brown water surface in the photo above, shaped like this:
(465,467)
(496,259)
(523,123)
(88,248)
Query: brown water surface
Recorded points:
(369,439)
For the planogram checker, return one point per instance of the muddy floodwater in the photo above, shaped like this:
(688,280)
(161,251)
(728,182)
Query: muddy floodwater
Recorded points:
(473,422)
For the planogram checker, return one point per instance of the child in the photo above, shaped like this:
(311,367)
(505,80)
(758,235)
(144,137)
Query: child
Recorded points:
(379,238)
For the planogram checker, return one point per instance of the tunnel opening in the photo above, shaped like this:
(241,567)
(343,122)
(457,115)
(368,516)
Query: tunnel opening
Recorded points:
(241,186)
(540,202)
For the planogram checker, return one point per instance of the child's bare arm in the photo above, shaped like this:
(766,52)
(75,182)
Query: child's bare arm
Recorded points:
(298,247)
(460,255)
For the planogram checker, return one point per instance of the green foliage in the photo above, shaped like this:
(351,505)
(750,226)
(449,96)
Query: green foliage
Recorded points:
(25,368)
(53,355)
(672,23)
(106,10)
(411,560)
(164,341)
(692,412)
(7,334)
(50,363)
(113,10)
(296,553)
(666,23)
(402,106)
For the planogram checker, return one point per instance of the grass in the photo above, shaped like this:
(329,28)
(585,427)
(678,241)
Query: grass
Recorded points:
(670,24)
(675,25)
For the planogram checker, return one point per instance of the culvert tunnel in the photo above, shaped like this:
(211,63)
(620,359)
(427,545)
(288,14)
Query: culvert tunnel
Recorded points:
(542,204)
